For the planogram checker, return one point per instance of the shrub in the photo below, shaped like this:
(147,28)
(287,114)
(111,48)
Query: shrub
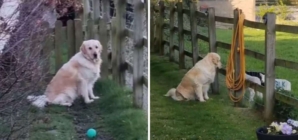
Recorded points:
(284,111)
(280,9)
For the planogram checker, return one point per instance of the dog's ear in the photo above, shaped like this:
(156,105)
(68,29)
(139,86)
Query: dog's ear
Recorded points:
(83,48)
(213,58)
(216,60)
(99,45)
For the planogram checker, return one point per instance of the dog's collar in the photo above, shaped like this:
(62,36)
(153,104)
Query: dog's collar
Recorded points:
(91,60)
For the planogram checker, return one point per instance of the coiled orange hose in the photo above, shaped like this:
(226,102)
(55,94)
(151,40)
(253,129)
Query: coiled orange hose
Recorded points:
(236,82)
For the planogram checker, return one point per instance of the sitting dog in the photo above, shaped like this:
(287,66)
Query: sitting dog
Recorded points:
(197,80)
(75,78)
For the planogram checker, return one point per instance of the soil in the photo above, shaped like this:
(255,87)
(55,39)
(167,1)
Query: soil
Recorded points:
(85,118)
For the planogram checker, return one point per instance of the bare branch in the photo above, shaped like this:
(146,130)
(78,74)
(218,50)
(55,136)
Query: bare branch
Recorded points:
(21,64)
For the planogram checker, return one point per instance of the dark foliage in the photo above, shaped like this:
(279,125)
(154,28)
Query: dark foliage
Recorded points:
(21,68)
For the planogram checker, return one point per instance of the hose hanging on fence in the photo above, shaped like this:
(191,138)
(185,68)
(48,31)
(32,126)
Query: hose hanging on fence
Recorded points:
(236,82)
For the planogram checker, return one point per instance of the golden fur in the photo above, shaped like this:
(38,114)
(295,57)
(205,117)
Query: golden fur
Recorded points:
(75,78)
(197,80)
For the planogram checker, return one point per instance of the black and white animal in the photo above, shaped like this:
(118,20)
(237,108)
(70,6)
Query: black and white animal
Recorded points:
(259,78)
(259,75)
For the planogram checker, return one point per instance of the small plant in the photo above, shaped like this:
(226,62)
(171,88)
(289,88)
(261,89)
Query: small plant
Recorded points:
(282,128)
(265,8)
(283,10)
(284,111)
(280,9)
(258,103)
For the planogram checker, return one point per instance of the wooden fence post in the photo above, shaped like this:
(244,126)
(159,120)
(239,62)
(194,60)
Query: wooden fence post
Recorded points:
(114,49)
(120,37)
(96,17)
(96,10)
(103,37)
(152,26)
(171,47)
(180,34)
(269,66)
(47,48)
(193,28)
(86,15)
(58,45)
(71,38)
(212,45)
(47,65)
(160,31)
(78,34)
(90,29)
(236,58)
(64,46)
(147,21)
(138,61)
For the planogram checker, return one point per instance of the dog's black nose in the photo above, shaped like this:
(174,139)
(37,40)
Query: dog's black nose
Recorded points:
(95,55)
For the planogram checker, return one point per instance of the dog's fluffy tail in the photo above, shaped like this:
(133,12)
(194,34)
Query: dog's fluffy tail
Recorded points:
(172,93)
(38,101)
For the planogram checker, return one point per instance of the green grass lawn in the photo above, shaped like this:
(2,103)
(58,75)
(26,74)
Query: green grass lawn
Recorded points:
(113,116)
(215,119)
(52,123)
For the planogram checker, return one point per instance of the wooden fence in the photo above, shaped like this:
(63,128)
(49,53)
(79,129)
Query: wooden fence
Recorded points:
(68,40)
(269,57)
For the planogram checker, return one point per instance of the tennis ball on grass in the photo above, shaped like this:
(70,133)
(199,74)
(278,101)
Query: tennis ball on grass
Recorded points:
(91,133)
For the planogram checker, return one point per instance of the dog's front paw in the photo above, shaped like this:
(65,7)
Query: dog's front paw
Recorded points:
(202,100)
(89,101)
(95,97)
(66,104)
(206,97)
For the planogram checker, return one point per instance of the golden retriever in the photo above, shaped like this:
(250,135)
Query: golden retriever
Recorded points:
(197,80)
(74,78)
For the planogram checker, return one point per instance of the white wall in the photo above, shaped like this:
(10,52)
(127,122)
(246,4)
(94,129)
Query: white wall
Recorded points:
(224,8)
(9,14)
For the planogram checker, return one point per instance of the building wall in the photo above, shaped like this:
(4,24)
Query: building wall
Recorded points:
(225,8)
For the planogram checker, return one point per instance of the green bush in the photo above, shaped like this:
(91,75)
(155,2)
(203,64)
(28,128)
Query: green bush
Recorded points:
(121,119)
(259,103)
(283,111)
(280,9)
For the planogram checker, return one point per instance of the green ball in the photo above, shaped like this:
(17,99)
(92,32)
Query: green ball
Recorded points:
(91,133)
